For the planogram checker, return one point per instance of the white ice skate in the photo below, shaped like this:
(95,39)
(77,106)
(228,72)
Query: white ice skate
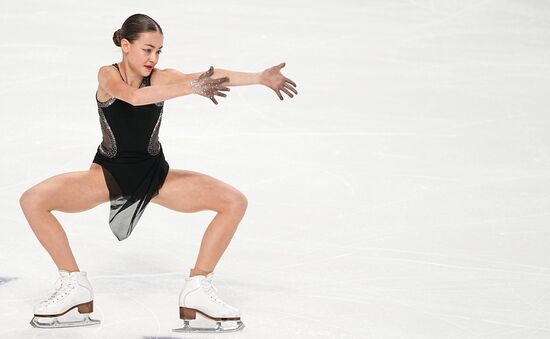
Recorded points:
(73,290)
(199,296)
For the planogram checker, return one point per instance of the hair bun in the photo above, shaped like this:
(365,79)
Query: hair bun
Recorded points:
(116,37)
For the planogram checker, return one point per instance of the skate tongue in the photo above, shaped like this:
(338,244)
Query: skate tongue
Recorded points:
(81,273)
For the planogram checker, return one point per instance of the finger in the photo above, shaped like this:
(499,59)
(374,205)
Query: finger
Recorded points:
(287,92)
(281,65)
(221,94)
(213,99)
(223,88)
(207,73)
(279,94)
(290,88)
(290,81)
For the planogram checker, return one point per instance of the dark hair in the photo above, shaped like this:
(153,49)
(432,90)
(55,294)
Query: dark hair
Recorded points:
(135,24)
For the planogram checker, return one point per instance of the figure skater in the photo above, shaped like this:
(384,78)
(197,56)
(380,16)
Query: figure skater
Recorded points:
(129,171)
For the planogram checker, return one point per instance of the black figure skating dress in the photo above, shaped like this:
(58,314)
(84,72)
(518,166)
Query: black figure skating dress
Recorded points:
(131,157)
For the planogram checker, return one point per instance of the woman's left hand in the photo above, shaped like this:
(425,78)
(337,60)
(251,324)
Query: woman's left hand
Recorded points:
(273,79)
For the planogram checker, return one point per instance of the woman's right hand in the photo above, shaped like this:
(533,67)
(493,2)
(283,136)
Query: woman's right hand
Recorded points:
(206,86)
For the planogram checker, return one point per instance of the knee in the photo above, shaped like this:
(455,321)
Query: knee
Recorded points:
(29,199)
(237,202)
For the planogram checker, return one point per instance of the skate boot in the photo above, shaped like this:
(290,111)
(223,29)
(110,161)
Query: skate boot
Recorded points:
(72,290)
(199,296)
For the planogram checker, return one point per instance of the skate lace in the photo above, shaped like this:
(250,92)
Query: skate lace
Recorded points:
(63,286)
(211,290)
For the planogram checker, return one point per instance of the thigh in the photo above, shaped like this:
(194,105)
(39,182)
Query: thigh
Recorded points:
(69,192)
(189,191)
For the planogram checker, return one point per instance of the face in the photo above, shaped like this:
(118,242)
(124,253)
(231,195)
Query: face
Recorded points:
(143,54)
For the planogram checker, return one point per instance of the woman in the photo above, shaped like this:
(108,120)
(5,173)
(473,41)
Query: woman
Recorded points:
(129,170)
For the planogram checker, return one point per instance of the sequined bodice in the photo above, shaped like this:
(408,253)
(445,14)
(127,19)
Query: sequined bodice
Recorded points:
(129,129)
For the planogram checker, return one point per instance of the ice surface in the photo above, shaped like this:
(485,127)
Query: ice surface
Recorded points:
(403,193)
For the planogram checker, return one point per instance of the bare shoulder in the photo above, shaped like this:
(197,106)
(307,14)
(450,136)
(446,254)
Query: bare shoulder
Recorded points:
(167,76)
(104,70)
(102,75)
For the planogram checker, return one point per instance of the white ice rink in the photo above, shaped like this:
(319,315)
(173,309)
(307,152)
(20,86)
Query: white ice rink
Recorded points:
(403,193)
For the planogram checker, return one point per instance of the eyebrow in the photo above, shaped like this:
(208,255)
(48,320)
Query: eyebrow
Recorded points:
(152,46)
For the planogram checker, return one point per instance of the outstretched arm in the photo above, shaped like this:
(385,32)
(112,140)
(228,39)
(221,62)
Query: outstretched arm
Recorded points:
(169,84)
(270,77)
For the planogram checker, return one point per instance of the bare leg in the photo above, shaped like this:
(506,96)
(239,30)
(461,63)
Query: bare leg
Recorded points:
(68,192)
(189,191)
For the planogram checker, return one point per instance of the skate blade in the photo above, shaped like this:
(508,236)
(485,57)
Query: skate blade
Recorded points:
(87,321)
(218,329)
